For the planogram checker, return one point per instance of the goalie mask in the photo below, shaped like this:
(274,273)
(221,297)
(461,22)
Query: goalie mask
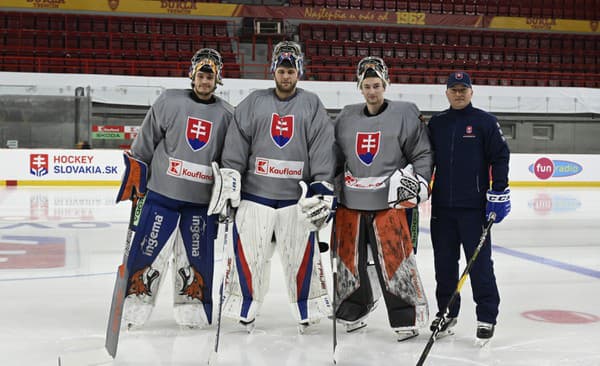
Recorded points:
(372,67)
(207,60)
(290,53)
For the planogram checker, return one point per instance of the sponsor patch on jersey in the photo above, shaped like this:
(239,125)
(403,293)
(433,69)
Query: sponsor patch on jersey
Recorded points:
(190,171)
(282,129)
(367,146)
(279,168)
(38,164)
(198,133)
(370,183)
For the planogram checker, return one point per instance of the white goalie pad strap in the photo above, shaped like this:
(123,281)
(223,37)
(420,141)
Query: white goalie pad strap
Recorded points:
(314,211)
(226,190)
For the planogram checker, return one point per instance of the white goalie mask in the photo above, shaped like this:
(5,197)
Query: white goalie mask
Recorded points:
(207,60)
(290,52)
(372,66)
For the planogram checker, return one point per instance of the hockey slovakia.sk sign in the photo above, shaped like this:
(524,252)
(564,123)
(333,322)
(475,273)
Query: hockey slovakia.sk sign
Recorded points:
(32,166)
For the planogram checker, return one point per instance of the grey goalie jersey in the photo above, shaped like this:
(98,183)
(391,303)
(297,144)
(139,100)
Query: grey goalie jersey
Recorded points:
(274,144)
(179,138)
(371,148)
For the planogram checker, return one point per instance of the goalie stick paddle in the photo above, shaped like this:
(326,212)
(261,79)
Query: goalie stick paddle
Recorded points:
(213,354)
(334,273)
(461,281)
(116,307)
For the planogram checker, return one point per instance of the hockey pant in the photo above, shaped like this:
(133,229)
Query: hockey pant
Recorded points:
(249,265)
(449,228)
(387,236)
(193,257)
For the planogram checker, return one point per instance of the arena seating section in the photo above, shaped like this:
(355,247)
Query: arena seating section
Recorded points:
(73,43)
(422,55)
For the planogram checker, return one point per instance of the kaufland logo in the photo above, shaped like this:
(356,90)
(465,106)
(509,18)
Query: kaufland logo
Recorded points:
(262,166)
(38,164)
(545,168)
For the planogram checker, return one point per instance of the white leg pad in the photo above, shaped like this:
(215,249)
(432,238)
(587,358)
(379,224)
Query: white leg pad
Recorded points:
(232,308)
(136,311)
(190,315)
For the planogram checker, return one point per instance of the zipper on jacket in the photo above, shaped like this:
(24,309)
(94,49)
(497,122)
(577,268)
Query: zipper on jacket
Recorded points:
(452,163)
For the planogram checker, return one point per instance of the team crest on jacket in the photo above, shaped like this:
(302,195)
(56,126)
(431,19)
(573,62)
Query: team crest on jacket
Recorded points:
(198,133)
(282,129)
(367,146)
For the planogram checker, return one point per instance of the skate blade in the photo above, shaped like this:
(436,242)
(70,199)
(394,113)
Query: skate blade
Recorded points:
(250,328)
(482,342)
(406,337)
(444,334)
(356,327)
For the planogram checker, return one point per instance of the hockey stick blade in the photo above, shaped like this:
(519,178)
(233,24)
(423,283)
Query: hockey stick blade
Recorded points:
(116,311)
(214,353)
(113,328)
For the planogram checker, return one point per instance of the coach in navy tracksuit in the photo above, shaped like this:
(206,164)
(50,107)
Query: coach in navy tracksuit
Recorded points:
(467,142)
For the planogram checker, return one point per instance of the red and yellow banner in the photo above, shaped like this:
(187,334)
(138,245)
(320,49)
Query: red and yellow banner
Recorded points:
(197,8)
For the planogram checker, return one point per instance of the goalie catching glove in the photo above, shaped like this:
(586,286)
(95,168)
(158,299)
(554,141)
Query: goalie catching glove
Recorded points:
(315,206)
(134,178)
(226,191)
(407,189)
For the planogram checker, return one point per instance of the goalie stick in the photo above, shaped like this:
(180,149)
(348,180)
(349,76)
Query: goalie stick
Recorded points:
(461,281)
(213,354)
(334,260)
(116,307)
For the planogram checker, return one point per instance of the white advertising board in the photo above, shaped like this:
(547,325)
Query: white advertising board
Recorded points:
(105,167)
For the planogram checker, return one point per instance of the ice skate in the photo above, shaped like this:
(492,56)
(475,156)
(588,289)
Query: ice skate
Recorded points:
(405,333)
(353,325)
(304,325)
(248,325)
(485,332)
(447,328)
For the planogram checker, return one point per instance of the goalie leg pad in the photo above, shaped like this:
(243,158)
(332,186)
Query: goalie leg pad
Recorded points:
(148,257)
(347,230)
(402,286)
(248,279)
(194,260)
(303,270)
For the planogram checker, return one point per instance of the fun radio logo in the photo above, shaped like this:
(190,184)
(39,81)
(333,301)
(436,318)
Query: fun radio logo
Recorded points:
(38,164)
(545,168)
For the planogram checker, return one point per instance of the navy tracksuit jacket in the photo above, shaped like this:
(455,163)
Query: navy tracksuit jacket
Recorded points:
(468,144)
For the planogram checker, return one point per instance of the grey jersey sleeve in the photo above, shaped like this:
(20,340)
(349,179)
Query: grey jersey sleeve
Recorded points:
(237,141)
(417,147)
(321,146)
(150,133)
